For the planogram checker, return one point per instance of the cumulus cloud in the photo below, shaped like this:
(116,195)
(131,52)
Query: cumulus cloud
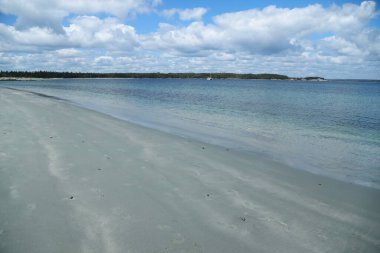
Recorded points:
(308,40)
(185,14)
(269,30)
(83,32)
(32,39)
(50,13)
(90,31)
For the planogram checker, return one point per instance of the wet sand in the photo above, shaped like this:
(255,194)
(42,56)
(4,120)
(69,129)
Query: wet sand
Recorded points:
(74,180)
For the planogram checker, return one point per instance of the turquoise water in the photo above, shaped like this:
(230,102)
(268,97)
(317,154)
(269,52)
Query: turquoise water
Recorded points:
(330,128)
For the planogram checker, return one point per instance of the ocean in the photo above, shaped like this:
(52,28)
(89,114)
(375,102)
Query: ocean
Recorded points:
(330,128)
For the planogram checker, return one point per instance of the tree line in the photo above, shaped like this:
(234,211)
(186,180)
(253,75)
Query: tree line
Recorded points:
(54,74)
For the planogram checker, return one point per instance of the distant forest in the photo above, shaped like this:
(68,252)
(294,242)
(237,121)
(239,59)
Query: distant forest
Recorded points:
(53,74)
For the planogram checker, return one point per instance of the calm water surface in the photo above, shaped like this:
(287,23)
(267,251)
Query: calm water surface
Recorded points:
(330,128)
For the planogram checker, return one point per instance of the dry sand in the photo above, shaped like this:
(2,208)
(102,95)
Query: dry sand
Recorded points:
(74,180)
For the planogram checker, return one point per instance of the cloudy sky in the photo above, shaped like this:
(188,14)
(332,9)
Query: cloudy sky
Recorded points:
(334,39)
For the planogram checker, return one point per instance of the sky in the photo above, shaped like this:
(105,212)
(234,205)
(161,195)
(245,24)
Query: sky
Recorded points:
(332,39)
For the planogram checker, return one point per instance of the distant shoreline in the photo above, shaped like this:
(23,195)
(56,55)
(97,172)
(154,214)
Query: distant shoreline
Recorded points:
(38,75)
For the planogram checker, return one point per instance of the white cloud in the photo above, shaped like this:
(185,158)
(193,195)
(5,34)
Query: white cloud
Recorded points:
(185,14)
(68,52)
(31,39)
(169,13)
(90,31)
(298,41)
(267,31)
(50,13)
(192,39)
(83,32)
(192,14)
(341,46)
(104,60)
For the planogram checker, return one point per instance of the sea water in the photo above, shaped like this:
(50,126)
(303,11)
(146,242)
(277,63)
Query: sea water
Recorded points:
(330,128)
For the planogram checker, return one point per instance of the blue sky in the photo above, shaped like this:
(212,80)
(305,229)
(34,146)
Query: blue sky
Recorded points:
(335,39)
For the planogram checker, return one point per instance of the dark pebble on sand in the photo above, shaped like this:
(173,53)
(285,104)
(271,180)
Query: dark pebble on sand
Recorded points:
(203,147)
(243,218)
(319,184)
(208,195)
(51,137)
(71,197)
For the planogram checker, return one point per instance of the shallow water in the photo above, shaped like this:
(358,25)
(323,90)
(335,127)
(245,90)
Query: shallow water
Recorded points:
(330,128)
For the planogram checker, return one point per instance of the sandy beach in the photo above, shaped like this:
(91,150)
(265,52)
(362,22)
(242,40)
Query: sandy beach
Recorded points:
(74,180)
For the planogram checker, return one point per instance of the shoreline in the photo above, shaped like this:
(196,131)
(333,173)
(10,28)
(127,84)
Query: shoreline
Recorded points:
(142,190)
(249,151)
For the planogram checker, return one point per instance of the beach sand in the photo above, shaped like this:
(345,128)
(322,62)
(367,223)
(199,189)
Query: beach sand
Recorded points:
(74,180)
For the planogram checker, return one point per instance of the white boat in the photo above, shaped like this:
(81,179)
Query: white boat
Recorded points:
(209,78)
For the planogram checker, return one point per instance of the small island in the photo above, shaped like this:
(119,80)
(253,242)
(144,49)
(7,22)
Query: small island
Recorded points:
(30,75)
